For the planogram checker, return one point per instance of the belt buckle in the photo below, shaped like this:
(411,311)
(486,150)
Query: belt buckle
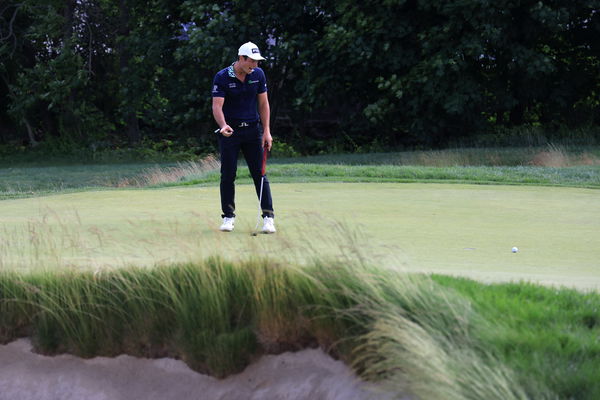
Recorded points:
(243,124)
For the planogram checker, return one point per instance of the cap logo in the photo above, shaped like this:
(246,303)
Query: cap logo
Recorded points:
(255,51)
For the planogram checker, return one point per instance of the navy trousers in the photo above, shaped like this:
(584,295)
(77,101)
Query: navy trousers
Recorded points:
(249,141)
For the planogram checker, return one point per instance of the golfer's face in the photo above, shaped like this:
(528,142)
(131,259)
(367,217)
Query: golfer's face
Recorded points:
(248,64)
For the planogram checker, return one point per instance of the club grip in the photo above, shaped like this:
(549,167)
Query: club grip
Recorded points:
(263,171)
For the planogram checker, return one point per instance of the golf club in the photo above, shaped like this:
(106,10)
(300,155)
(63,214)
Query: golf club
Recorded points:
(263,171)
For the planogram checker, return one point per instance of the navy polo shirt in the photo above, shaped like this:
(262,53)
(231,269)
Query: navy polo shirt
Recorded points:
(241,102)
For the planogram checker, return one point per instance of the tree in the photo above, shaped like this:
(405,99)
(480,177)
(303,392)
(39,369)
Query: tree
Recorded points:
(49,85)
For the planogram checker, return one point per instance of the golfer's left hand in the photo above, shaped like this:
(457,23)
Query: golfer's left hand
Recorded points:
(267,139)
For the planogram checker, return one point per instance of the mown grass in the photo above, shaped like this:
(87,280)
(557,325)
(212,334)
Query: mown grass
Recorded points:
(544,334)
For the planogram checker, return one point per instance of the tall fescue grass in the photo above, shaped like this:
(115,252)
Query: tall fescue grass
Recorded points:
(548,156)
(405,332)
(183,170)
(559,157)
(54,240)
(58,240)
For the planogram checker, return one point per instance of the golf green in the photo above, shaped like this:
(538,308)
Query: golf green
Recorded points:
(465,230)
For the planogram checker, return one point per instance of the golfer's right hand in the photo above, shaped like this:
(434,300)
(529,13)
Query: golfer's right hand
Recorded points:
(226,131)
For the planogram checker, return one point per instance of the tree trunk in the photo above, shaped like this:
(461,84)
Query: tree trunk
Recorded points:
(30,134)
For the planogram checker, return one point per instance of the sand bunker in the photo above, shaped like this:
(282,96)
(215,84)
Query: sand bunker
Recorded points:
(308,374)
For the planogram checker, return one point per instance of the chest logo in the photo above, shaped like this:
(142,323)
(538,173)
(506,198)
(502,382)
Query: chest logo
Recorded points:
(232,85)
(252,81)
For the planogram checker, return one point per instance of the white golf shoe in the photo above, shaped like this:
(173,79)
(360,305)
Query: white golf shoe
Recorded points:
(268,225)
(227,225)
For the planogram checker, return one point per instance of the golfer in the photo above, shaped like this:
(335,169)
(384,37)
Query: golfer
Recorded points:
(240,107)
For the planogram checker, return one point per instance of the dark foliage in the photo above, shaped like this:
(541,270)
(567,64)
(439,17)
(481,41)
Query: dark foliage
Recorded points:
(342,75)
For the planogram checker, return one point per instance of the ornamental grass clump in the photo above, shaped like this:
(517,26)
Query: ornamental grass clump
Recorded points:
(403,331)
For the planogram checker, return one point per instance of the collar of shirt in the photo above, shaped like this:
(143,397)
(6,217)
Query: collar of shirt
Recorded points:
(230,71)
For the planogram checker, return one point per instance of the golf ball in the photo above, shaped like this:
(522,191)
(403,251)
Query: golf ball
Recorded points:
(514,249)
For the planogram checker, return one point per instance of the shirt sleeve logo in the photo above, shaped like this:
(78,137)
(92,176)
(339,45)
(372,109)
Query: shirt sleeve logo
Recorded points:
(215,89)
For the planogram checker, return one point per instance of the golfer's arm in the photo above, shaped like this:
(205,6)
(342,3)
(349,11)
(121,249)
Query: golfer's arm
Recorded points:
(217,109)
(264,110)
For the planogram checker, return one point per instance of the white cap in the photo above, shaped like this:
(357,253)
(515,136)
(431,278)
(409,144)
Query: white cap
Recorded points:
(251,50)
